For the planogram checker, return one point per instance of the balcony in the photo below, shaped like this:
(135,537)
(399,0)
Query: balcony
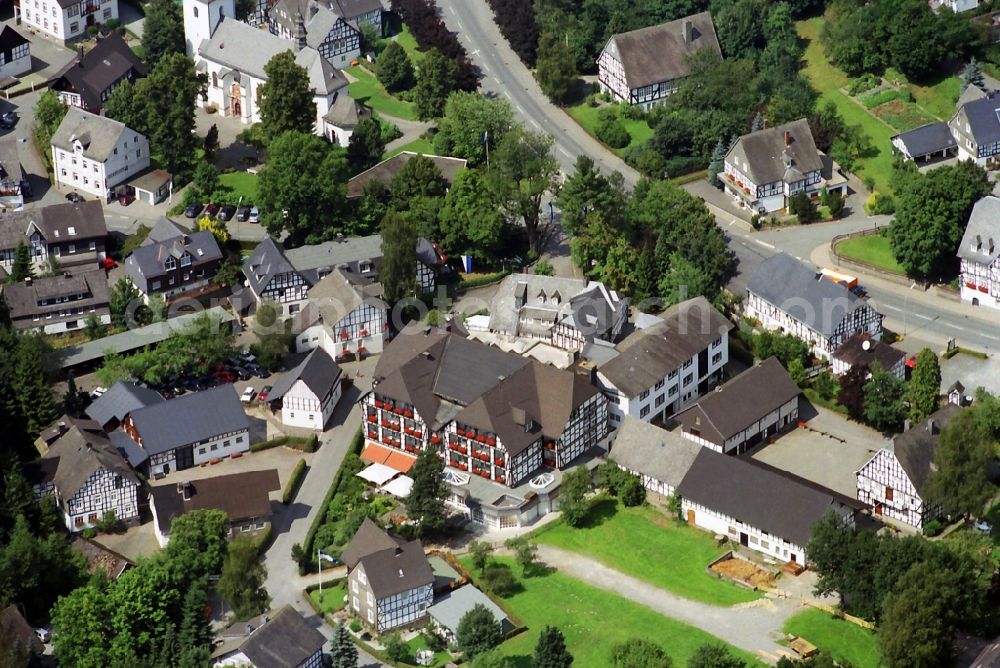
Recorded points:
(458,448)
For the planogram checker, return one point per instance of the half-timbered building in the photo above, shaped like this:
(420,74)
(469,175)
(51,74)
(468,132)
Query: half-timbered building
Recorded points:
(789,296)
(273,279)
(190,430)
(661,367)
(390,581)
(282,639)
(326,30)
(87,476)
(894,481)
(860,350)
(307,394)
(345,316)
(979,254)
(746,411)
(659,457)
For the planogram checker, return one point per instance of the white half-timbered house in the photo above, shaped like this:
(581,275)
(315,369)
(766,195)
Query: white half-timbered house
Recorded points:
(789,296)
(763,170)
(346,317)
(273,279)
(646,65)
(979,253)
(661,367)
(308,393)
(325,30)
(759,507)
(257,642)
(746,411)
(859,350)
(87,476)
(894,481)
(659,457)
(190,430)
(390,581)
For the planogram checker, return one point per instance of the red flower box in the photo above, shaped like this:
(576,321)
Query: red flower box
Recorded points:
(500,478)
(343,336)
(982,288)
(378,404)
(481,438)
(971,285)
(499,461)
(364,332)
(408,413)
(435,439)
(491,441)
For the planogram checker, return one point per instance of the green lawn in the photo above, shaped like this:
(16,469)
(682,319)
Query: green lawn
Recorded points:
(841,640)
(241,183)
(406,40)
(333,597)
(592,620)
(872,248)
(418,643)
(586,116)
(938,99)
(421,145)
(828,80)
(647,544)
(370,92)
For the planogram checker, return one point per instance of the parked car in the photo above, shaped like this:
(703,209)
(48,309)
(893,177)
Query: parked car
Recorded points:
(44,635)
(107,263)
(982,526)
(247,357)
(248,395)
(97,392)
(259,371)
(254,215)
(211,210)
(193,210)
(8,120)
(224,377)
(242,213)
(226,212)
(74,197)
(241,373)
(264,392)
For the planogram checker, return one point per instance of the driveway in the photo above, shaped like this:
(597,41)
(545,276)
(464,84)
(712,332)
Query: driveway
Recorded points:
(751,627)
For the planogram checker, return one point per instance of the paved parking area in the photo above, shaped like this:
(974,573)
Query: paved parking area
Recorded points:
(135,543)
(972,372)
(828,452)
(282,459)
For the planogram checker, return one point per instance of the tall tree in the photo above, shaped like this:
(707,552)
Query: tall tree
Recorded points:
(242,580)
(124,298)
(472,125)
(639,653)
(573,496)
(21,269)
(478,631)
(852,393)
(197,544)
(397,273)
(426,500)
(469,221)
(194,636)
(972,75)
(920,620)
(550,651)
(344,653)
(925,385)
(435,81)
(285,99)
(959,479)
(884,407)
(517,23)
(365,147)
(586,190)
(523,170)
(717,163)
(170,92)
(479,552)
(162,30)
(302,187)
(418,177)
(394,68)
(49,112)
(206,180)
(37,404)
(126,105)
(556,67)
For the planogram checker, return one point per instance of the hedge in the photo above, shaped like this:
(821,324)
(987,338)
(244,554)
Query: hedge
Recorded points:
(480,281)
(300,443)
(292,486)
(355,448)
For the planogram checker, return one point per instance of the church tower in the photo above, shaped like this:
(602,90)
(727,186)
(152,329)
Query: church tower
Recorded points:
(202,17)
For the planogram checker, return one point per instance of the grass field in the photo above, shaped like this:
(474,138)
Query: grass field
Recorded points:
(333,597)
(417,146)
(841,640)
(241,183)
(872,248)
(647,544)
(938,99)
(586,116)
(592,620)
(406,40)
(902,115)
(828,80)
(370,92)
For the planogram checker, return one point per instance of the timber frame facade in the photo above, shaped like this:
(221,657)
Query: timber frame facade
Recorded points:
(885,486)
(391,612)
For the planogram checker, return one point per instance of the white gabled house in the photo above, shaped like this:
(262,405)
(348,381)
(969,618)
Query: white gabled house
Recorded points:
(979,253)
(345,316)
(894,481)
(273,279)
(65,20)
(788,296)
(257,642)
(308,394)
(93,154)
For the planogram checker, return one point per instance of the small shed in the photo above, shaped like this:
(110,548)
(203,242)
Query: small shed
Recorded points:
(449,609)
(153,186)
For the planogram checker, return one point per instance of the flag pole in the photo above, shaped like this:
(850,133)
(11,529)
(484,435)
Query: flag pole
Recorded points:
(319,566)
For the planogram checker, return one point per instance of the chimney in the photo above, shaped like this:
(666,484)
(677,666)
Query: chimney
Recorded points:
(79,54)
(27,280)
(62,427)
(686,30)
(932,427)
(906,424)
(313,9)
(788,138)
(184,489)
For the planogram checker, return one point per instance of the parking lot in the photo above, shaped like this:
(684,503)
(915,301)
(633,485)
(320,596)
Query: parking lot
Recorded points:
(828,452)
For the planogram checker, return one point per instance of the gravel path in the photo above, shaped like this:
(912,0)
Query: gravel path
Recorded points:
(752,627)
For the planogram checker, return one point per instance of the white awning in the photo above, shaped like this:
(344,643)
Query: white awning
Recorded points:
(400,487)
(378,474)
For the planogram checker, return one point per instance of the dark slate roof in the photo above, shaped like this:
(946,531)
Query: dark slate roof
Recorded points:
(659,53)
(853,352)
(981,241)
(318,371)
(267,261)
(190,419)
(78,454)
(763,498)
(649,450)
(283,641)
(914,448)
(101,67)
(763,155)
(241,496)
(449,609)
(100,558)
(803,293)
(740,402)
(24,298)
(648,355)
(385,170)
(128,448)
(391,564)
(981,114)
(930,138)
(352,9)
(121,399)
(150,259)
(71,221)
(10,39)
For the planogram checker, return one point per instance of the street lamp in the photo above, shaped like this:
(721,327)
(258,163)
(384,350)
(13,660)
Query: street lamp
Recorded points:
(905,300)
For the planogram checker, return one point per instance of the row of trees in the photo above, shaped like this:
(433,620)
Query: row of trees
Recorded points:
(428,87)
(657,241)
(26,403)
(428,28)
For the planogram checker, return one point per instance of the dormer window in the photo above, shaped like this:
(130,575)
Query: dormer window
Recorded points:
(171,263)
(186,260)
(71,230)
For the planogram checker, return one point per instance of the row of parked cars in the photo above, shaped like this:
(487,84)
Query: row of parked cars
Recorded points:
(241,367)
(245,213)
